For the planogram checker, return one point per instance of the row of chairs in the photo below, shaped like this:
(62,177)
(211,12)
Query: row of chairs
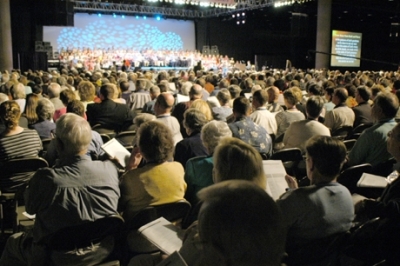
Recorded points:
(124,137)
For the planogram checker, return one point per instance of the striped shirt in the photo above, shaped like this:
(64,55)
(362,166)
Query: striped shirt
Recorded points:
(24,144)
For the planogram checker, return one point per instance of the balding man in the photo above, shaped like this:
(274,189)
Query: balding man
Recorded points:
(273,95)
(54,91)
(109,114)
(162,108)
(371,145)
(195,93)
(341,115)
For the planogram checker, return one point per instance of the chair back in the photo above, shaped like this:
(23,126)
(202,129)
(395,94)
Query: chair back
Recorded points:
(126,137)
(17,172)
(290,158)
(101,130)
(342,132)
(170,211)
(84,234)
(356,132)
(285,155)
(105,138)
(349,144)
(350,176)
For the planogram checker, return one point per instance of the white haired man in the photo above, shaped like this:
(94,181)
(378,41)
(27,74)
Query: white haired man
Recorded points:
(75,190)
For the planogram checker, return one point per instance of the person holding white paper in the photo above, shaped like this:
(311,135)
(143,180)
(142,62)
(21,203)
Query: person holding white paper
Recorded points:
(321,211)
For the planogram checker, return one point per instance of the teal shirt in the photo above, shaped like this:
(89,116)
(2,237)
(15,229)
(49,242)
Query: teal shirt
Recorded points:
(371,145)
(198,175)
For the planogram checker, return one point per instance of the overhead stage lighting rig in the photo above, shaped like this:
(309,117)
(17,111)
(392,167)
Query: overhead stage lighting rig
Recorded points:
(187,9)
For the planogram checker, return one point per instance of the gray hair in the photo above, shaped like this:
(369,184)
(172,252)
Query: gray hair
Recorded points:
(213,132)
(18,91)
(74,133)
(45,109)
(186,88)
(223,96)
(54,90)
(3,98)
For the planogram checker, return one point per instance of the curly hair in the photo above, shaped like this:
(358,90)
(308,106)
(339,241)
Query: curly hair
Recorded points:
(10,112)
(155,142)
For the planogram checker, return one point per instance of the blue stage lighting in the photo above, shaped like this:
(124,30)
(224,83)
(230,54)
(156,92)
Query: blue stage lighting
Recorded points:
(114,15)
(144,17)
(137,17)
(99,15)
(158,18)
(123,16)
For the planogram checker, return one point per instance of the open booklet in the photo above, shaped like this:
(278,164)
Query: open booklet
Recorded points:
(115,150)
(163,234)
(373,181)
(276,183)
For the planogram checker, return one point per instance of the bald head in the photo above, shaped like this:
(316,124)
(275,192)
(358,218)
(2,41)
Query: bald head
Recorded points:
(164,103)
(196,92)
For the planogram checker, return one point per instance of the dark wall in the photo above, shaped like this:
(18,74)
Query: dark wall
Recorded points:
(275,35)
(273,41)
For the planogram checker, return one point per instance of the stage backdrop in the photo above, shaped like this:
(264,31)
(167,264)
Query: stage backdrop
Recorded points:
(106,31)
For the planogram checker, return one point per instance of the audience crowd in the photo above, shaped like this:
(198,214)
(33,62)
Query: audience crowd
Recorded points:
(201,137)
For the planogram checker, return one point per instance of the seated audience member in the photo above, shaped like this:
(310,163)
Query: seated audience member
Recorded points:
(45,126)
(380,245)
(234,91)
(363,110)
(198,171)
(140,96)
(136,157)
(54,91)
(273,95)
(162,109)
(159,181)
(18,95)
(195,93)
(149,106)
(285,118)
(191,146)
(341,115)
(300,131)
(261,116)
(125,92)
(86,92)
(230,157)
(75,191)
(220,113)
(3,98)
(108,113)
(203,107)
(30,108)
(66,96)
(371,145)
(319,211)
(15,141)
(240,232)
(328,94)
(94,150)
(245,129)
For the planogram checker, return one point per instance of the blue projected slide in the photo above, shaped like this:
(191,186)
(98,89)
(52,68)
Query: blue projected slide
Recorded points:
(108,31)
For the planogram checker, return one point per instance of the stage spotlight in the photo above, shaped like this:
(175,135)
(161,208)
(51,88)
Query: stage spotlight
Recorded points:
(99,15)
(233,15)
(243,14)
(137,17)
(114,15)
(123,16)
(238,22)
(158,18)
(243,21)
(144,17)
